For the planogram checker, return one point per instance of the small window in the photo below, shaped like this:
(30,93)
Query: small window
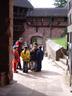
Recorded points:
(70,4)
(69,19)
(52,19)
(65,19)
(36,29)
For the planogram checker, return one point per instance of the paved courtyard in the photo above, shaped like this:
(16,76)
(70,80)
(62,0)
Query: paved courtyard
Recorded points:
(48,82)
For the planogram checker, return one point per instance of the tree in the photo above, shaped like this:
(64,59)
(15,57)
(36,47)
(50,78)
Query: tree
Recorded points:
(60,3)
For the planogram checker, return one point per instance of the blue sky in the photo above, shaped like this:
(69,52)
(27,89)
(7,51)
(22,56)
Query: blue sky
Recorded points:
(42,3)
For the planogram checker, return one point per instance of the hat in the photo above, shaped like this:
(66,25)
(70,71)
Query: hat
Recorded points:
(20,39)
(15,46)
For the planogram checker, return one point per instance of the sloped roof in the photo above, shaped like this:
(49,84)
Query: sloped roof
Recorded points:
(43,12)
(22,3)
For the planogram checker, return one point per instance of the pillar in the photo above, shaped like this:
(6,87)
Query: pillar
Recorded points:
(6,37)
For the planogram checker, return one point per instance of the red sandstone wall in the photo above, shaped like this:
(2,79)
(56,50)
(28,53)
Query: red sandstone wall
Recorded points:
(42,32)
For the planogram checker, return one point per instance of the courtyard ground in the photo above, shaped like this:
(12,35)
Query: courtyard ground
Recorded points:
(48,82)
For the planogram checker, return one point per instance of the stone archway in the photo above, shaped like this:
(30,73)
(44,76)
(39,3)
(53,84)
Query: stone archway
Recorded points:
(37,39)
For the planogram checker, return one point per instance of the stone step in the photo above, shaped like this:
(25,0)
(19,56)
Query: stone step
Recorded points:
(65,57)
(61,65)
(64,61)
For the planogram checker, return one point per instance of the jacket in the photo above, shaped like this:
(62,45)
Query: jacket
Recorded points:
(25,55)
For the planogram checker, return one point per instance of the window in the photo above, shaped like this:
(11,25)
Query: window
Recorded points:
(70,4)
(65,19)
(70,37)
(69,19)
(36,29)
(52,19)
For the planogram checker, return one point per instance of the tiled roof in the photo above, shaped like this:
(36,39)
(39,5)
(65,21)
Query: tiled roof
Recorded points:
(43,12)
(22,3)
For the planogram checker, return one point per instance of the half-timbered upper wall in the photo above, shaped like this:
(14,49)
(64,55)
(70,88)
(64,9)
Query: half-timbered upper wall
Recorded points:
(19,12)
(47,21)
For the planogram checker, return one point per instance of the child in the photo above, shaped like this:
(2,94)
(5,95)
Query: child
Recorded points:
(25,54)
(16,58)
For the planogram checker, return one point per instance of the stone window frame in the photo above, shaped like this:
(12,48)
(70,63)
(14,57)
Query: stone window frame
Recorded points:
(70,4)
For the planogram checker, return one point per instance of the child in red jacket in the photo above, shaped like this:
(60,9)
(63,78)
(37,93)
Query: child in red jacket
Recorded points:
(16,58)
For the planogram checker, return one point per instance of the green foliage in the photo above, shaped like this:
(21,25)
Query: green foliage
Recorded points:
(61,41)
(60,3)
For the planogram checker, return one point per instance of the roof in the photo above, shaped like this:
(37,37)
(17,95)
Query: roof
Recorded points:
(43,12)
(22,3)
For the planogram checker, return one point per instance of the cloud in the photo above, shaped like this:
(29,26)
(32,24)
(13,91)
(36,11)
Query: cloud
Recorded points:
(42,3)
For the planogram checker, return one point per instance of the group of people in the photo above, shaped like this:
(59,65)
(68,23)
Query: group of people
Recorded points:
(32,56)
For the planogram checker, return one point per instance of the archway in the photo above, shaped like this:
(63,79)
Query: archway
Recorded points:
(37,39)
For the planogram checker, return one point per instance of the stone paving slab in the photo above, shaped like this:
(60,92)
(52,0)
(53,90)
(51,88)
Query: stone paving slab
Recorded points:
(48,82)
